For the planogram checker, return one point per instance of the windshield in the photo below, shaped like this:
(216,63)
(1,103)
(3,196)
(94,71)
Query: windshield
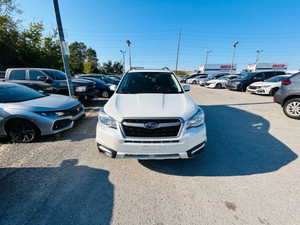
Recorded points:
(275,79)
(149,82)
(16,93)
(247,75)
(55,74)
(222,78)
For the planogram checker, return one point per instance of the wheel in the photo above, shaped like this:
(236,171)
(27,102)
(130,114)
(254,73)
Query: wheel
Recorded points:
(273,91)
(194,82)
(105,94)
(218,86)
(23,131)
(291,108)
(244,88)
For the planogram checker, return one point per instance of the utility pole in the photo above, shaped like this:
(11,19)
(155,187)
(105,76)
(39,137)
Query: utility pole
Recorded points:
(258,51)
(178,51)
(64,48)
(234,46)
(207,52)
(123,52)
(129,43)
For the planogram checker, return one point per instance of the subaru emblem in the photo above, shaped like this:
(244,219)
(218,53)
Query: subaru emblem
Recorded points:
(151,125)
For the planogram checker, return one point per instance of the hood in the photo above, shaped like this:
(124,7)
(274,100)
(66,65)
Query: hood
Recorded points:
(76,82)
(262,83)
(48,103)
(150,105)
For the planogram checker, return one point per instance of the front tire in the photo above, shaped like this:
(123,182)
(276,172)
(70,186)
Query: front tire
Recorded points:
(194,82)
(105,94)
(218,86)
(273,91)
(244,88)
(23,131)
(291,108)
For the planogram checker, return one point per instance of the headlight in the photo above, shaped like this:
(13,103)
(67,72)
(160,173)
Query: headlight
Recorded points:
(51,114)
(81,89)
(210,82)
(266,86)
(236,83)
(196,120)
(106,120)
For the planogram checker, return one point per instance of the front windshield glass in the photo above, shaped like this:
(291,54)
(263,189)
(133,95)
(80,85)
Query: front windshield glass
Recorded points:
(16,93)
(55,74)
(247,75)
(149,82)
(275,79)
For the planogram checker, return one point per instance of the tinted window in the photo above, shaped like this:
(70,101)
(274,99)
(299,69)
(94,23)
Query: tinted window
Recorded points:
(149,82)
(33,74)
(280,73)
(260,76)
(2,74)
(247,75)
(269,74)
(18,75)
(55,74)
(17,94)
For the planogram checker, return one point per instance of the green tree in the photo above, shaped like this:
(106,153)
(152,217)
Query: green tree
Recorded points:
(77,57)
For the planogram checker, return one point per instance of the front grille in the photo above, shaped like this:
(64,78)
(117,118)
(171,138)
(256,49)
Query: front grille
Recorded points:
(252,87)
(59,124)
(91,87)
(136,128)
(73,111)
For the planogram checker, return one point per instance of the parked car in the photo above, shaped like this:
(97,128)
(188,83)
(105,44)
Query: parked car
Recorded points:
(220,82)
(211,77)
(102,77)
(117,76)
(242,82)
(25,114)
(104,89)
(185,78)
(2,76)
(196,79)
(267,87)
(51,81)
(288,96)
(151,117)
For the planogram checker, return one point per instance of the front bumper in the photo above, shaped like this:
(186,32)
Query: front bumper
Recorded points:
(210,85)
(233,87)
(259,91)
(189,144)
(87,94)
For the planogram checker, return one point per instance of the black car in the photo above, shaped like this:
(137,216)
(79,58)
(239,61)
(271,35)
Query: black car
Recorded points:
(243,81)
(288,96)
(106,79)
(51,81)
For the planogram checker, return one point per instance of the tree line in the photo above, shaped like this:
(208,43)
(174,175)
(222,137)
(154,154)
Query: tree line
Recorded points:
(28,47)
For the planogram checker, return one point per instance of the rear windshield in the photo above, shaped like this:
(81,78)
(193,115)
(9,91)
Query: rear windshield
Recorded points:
(18,94)
(149,82)
(55,74)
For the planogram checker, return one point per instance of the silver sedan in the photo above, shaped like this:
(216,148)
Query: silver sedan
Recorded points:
(26,114)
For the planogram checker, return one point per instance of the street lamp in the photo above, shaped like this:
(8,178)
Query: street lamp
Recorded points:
(234,46)
(129,43)
(123,52)
(207,52)
(258,51)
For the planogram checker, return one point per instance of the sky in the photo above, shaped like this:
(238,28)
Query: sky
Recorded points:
(153,28)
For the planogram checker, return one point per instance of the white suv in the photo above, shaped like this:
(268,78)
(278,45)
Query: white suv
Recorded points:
(151,117)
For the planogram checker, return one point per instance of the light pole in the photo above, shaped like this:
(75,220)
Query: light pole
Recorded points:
(234,46)
(123,52)
(178,51)
(258,51)
(207,52)
(129,43)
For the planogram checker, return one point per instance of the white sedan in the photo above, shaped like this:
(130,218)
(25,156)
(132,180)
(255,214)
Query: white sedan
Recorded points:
(267,87)
(196,79)
(220,82)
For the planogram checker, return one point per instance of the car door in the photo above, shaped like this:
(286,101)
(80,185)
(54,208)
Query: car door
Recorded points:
(259,77)
(40,81)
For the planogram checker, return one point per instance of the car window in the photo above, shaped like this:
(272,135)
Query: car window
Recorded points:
(18,75)
(259,76)
(269,74)
(280,73)
(149,82)
(33,74)
(18,94)
(55,74)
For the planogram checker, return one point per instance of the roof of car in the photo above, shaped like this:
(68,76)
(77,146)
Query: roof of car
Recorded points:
(149,70)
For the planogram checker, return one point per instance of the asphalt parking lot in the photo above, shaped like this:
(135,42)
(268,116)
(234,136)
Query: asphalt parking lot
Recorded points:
(248,173)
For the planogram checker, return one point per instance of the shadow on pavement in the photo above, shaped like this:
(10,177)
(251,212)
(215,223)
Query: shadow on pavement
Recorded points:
(238,144)
(68,194)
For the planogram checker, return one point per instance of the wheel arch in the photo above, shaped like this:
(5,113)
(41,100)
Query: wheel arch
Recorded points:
(289,98)
(9,120)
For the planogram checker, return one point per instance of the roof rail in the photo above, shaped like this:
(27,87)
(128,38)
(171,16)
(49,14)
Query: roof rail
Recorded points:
(166,68)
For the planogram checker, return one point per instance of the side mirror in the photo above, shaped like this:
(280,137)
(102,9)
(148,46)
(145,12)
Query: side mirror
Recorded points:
(113,87)
(41,78)
(186,88)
